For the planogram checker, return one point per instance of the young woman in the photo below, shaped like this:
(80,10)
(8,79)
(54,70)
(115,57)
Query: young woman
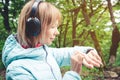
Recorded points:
(26,55)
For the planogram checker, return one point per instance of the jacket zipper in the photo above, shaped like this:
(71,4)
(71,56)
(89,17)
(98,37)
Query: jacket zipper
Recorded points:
(48,63)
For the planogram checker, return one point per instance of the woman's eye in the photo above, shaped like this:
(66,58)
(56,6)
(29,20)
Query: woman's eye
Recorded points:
(52,27)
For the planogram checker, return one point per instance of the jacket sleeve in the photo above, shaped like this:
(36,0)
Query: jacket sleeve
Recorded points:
(63,55)
(71,75)
(18,73)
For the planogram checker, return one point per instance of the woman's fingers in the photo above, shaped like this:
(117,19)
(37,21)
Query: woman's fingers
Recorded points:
(92,61)
(87,64)
(95,57)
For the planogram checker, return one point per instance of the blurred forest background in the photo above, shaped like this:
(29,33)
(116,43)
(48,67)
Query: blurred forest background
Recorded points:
(93,23)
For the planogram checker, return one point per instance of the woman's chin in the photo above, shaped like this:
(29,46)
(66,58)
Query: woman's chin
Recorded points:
(49,43)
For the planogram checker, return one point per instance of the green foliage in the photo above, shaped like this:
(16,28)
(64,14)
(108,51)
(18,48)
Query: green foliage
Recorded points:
(91,74)
(2,41)
(117,63)
(1,78)
(87,74)
(1,65)
(98,20)
(3,36)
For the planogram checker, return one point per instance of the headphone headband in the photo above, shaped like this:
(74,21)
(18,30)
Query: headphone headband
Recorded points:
(34,8)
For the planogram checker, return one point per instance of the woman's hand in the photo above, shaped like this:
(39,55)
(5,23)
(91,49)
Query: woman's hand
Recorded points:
(92,59)
(76,62)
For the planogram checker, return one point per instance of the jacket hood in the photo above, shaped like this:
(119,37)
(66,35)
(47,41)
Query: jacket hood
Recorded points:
(12,51)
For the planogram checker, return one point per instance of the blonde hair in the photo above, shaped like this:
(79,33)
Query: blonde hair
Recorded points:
(47,14)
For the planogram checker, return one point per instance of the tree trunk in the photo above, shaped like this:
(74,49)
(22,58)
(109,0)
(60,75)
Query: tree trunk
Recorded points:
(65,33)
(92,33)
(97,45)
(74,25)
(5,14)
(115,35)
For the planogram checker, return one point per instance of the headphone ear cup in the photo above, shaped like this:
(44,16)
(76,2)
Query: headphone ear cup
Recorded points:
(33,27)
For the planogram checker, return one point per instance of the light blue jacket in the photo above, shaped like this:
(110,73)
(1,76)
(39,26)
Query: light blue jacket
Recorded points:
(42,63)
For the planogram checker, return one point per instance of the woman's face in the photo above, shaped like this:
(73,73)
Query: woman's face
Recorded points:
(51,33)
